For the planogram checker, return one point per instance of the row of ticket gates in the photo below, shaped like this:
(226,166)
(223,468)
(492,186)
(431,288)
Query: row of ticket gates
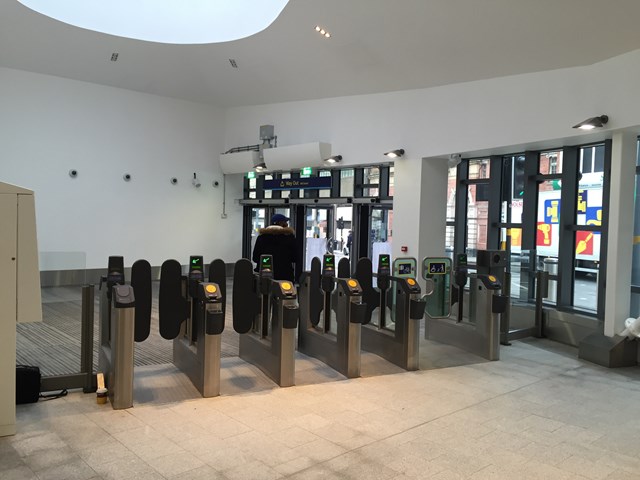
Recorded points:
(331,316)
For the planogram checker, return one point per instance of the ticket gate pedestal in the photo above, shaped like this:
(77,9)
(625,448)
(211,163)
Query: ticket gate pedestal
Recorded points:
(200,360)
(265,313)
(341,351)
(116,344)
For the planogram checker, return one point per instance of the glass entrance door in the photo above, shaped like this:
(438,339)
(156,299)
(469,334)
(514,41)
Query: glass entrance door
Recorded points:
(380,233)
(318,239)
(328,229)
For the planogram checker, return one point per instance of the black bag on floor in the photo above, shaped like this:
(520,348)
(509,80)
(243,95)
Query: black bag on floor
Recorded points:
(27,384)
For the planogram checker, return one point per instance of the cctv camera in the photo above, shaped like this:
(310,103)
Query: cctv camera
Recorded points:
(455,159)
(174,180)
(126,177)
(73,173)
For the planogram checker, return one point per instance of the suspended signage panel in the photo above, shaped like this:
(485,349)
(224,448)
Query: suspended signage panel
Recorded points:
(309,183)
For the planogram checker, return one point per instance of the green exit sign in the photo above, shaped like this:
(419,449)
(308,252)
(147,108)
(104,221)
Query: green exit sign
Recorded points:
(306,171)
(251,175)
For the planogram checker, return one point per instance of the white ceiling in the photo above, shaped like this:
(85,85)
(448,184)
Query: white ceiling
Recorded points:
(376,46)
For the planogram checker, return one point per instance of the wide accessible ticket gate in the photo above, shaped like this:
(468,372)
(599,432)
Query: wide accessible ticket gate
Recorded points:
(475,328)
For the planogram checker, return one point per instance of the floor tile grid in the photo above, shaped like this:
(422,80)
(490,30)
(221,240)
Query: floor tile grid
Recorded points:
(478,435)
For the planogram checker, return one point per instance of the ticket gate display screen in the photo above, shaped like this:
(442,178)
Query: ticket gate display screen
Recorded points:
(438,271)
(405,267)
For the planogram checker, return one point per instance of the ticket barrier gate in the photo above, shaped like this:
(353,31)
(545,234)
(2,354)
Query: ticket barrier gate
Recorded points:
(397,342)
(265,313)
(117,325)
(334,341)
(476,331)
(197,347)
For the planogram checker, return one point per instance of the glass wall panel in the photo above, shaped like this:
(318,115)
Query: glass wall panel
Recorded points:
(586,270)
(268,193)
(325,192)
(479,168)
(391,180)
(346,182)
(477,220)
(285,193)
(550,163)
(252,188)
(371,177)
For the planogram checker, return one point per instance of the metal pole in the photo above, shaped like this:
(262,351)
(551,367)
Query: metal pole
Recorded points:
(542,290)
(86,338)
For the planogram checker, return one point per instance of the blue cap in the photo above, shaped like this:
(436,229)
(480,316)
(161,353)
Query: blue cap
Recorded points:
(278,217)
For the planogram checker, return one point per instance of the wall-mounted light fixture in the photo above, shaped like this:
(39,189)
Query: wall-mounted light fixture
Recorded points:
(395,153)
(333,159)
(593,122)
(261,167)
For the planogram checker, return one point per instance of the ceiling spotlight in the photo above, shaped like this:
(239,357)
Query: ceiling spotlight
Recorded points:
(322,31)
(260,167)
(333,159)
(395,153)
(593,122)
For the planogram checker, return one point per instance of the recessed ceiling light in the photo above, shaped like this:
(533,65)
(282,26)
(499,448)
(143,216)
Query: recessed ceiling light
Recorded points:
(322,31)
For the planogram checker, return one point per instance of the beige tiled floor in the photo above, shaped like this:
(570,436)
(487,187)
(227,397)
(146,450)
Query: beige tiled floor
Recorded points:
(539,413)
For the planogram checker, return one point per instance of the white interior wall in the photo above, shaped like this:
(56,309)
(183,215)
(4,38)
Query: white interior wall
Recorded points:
(467,117)
(49,125)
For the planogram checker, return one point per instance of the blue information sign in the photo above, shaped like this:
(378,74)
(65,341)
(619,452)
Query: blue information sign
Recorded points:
(308,183)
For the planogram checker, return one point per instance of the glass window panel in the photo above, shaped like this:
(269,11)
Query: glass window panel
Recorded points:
(268,193)
(634,310)
(371,177)
(477,220)
(451,194)
(513,193)
(448,242)
(285,193)
(586,159)
(520,268)
(548,231)
(325,192)
(346,182)
(635,268)
(589,211)
(587,259)
(478,168)
(391,181)
(598,162)
(550,162)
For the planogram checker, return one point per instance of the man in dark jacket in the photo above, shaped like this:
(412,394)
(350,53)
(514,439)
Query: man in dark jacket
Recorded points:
(278,240)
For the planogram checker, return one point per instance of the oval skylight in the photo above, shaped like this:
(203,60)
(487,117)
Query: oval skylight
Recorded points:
(166,21)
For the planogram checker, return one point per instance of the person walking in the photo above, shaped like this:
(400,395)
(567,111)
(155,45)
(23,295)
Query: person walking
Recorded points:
(279,241)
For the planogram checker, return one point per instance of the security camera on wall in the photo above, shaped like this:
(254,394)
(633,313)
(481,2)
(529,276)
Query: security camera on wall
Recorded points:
(196,183)
(454,159)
